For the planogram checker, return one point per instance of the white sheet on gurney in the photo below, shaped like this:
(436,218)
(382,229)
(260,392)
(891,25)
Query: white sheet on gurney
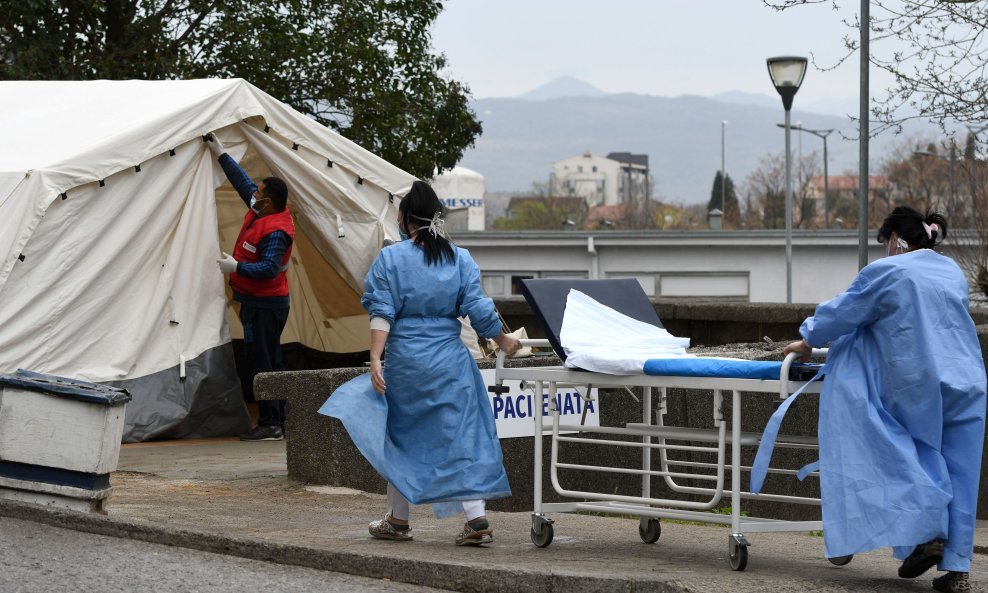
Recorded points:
(597,338)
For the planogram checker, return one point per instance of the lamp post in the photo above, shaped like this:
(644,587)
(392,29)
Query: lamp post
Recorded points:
(864,63)
(787,75)
(822,134)
(799,155)
(723,172)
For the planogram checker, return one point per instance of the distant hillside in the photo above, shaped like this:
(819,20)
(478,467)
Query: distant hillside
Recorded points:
(564,86)
(681,135)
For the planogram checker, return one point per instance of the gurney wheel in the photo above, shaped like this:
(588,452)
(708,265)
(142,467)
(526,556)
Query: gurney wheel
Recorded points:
(543,537)
(841,560)
(649,529)
(738,557)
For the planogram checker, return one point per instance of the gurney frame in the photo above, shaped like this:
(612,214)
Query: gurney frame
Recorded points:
(655,436)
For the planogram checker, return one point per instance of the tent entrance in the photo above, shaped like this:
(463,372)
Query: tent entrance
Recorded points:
(327,327)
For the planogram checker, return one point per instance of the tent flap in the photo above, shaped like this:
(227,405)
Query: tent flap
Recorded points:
(206,403)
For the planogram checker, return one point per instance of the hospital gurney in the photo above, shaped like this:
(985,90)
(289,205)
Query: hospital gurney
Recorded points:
(547,299)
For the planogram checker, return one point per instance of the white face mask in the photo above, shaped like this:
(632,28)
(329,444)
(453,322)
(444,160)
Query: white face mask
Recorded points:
(253,204)
(896,247)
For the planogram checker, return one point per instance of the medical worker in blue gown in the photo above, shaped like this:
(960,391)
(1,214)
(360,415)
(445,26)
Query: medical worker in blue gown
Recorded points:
(438,443)
(902,411)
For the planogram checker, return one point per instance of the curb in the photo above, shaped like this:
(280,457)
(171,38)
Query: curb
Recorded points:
(467,578)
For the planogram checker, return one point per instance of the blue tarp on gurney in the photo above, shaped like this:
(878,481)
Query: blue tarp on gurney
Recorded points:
(712,367)
(725,368)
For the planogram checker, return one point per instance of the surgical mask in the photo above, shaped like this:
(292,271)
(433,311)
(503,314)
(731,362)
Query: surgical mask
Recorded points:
(253,204)
(897,247)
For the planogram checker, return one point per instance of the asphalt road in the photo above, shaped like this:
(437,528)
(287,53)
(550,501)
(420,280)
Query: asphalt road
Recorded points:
(37,558)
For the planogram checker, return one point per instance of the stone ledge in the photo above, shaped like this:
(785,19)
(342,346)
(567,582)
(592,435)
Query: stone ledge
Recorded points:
(320,452)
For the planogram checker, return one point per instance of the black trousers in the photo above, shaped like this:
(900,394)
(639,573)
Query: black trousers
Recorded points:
(262,346)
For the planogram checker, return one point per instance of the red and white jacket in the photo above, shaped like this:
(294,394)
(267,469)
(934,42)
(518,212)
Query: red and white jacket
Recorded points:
(247,250)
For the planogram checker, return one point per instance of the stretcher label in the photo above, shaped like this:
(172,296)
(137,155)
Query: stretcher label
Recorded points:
(514,411)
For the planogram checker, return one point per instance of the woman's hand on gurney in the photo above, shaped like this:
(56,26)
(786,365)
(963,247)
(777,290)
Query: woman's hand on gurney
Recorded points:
(377,376)
(801,348)
(508,344)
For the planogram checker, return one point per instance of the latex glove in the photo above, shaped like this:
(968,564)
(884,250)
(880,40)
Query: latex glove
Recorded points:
(377,376)
(215,146)
(227,263)
(508,343)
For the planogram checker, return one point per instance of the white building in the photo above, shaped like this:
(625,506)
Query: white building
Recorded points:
(618,178)
(462,192)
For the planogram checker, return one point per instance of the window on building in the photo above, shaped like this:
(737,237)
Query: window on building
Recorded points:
(595,168)
(579,169)
(582,275)
(647,281)
(493,284)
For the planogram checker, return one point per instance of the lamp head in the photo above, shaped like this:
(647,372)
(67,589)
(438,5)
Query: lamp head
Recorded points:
(787,75)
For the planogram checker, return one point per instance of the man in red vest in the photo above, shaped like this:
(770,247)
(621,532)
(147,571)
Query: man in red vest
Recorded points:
(258,278)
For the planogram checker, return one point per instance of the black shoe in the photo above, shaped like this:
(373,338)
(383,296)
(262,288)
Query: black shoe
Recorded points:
(953,582)
(923,558)
(264,433)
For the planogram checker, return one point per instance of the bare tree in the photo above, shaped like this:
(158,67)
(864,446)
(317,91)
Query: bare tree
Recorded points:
(919,177)
(766,190)
(970,248)
(937,54)
(932,175)
(805,201)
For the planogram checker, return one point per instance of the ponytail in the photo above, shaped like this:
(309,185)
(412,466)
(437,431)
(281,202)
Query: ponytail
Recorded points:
(422,205)
(922,231)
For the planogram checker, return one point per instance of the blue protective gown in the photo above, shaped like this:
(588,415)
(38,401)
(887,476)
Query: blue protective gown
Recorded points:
(432,435)
(902,411)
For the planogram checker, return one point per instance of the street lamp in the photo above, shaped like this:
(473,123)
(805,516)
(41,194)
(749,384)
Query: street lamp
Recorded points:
(826,176)
(787,75)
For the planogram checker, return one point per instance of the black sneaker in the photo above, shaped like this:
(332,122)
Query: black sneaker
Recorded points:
(264,433)
(922,559)
(953,582)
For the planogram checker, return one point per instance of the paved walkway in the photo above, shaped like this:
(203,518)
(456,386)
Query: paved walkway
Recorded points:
(232,497)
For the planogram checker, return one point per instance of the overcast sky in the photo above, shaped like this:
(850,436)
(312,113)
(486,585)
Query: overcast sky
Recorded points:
(503,48)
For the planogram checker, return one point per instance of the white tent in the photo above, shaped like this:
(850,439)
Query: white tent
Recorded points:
(112,214)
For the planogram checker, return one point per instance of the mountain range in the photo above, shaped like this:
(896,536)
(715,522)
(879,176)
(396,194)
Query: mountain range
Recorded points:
(681,135)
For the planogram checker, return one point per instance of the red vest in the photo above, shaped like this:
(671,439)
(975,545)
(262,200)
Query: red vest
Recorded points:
(246,250)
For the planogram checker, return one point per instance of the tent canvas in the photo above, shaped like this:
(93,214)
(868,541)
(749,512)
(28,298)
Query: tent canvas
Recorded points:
(112,214)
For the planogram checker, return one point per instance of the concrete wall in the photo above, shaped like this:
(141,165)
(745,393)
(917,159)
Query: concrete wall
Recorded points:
(320,452)
(745,266)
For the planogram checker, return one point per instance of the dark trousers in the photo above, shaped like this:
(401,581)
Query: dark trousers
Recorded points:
(262,346)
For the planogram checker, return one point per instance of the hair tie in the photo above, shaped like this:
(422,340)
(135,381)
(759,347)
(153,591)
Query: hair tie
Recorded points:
(930,229)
